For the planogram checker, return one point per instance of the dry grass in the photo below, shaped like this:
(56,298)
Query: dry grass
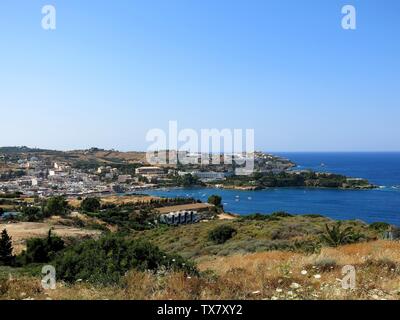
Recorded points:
(22,231)
(117,200)
(377,271)
(267,275)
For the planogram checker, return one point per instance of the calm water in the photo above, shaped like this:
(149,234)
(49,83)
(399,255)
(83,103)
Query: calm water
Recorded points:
(383,204)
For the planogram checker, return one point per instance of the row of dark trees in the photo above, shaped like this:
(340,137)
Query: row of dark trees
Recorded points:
(57,205)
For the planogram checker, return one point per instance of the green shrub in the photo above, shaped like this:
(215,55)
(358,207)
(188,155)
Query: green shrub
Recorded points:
(336,236)
(281,214)
(215,200)
(32,214)
(379,226)
(105,260)
(256,217)
(221,234)
(90,205)
(57,205)
(39,250)
(313,215)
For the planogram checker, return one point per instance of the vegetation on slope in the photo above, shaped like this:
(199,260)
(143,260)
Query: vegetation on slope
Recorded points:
(266,275)
(255,233)
(295,179)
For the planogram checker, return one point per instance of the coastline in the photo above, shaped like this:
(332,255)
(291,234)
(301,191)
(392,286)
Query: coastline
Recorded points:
(339,204)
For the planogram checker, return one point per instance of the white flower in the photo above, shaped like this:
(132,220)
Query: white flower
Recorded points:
(274,298)
(295,285)
(256,292)
(278,290)
(317,276)
(303,272)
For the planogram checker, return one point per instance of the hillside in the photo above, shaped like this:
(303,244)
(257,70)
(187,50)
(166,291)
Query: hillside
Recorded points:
(295,233)
(268,275)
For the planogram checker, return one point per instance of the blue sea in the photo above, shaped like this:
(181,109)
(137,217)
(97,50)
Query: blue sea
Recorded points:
(383,204)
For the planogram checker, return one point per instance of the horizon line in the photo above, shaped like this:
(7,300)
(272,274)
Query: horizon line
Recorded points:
(269,151)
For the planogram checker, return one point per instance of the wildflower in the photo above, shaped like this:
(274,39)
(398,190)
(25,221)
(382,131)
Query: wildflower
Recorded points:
(303,272)
(295,285)
(256,292)
(274,298)
(317,276)
(278,290)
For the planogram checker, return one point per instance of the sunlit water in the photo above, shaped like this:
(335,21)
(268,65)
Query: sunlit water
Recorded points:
(383,204)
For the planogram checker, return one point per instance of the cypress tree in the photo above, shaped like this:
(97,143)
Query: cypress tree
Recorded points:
(6,249)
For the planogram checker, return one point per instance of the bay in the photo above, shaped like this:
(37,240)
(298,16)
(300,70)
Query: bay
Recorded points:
(383,204)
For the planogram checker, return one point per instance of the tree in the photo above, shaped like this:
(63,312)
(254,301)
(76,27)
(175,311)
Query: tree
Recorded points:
(6,249)
(188,180)
(90,205)
(32,213)
(215,200)
(57,205)
(40,250)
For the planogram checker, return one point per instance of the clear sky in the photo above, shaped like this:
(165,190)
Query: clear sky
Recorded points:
(112,70)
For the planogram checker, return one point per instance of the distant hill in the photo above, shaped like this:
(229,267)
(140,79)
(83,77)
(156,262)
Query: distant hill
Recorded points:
(97,155)
(21,149)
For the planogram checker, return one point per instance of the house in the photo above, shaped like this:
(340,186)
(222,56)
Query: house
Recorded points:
(207,175)
(150,172)
(124,178)
(180,217)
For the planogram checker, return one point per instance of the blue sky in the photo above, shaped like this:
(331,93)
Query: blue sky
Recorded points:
(112,70)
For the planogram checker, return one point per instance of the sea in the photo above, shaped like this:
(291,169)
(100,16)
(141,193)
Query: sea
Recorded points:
(381,204)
